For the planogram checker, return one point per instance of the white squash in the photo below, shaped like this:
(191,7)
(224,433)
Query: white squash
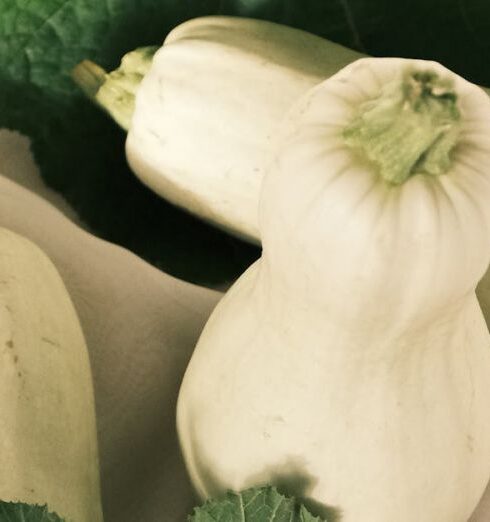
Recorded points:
(207,109)
(48,444)
(352,361)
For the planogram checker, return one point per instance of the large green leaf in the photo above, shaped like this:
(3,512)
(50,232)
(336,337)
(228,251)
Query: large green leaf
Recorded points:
(19,512)
(260,504)
(81,152)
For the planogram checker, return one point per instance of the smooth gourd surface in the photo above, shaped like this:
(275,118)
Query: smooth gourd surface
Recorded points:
(350,364)
(48,444)
(208,110)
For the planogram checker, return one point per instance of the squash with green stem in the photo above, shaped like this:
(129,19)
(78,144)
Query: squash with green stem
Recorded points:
(202,113)
(48,439)
(352,360)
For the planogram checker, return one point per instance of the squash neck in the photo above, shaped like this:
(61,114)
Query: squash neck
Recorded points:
(380,326)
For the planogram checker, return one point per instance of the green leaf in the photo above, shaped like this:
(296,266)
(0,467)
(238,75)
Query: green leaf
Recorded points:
(19,512)
(259,504)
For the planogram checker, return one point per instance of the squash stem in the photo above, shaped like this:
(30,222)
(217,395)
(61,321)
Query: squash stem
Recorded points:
(89,77)
(410,128)
(115,92)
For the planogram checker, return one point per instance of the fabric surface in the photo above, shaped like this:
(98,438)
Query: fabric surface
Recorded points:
(141,326)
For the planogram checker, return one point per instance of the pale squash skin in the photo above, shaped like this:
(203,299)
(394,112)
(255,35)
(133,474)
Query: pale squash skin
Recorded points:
(202,114)
(48,443)
(207,112)
(351,362)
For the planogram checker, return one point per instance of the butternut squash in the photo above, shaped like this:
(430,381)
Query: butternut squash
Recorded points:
(352,360)
(203,111)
